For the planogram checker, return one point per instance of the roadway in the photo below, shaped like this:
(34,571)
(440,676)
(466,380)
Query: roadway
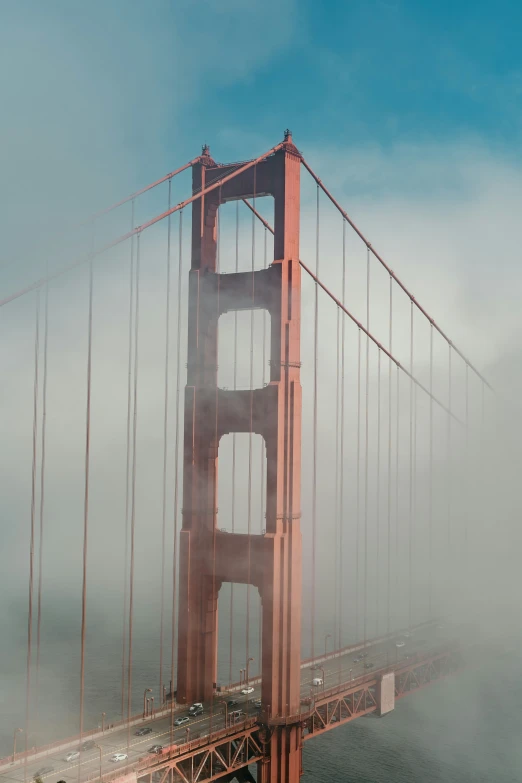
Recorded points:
(333,670)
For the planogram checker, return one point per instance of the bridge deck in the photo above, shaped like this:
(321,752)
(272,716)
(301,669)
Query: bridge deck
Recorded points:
(339,669)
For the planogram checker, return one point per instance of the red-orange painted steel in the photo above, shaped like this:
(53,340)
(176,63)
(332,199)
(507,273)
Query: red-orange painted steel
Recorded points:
(272,561)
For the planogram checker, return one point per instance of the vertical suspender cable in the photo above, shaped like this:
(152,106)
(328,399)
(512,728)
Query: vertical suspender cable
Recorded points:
(341,462)
(430,486)
(42,492)
(466,560)
(448,478)
(127,468)
(32,529)
(165,442)
(358,488)
(133,486)
(336,557)
(86,504)
(397,475)
(410,505)
(251,385)
(214,596)
(378,494)
(388,562)
(314,435)
(231,607)
(263,460)
(176,479)
(366,446)
(414,503)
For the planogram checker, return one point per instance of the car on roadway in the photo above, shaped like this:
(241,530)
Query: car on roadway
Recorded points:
(247,690)
(399,645)
(317,681)
(72,755)
(236,716)
(88,745)
(181,720)
(369,665)
(198,711)
(43,771)
(364,655)
(118,757)
(356,660)
(257,704)
(156,749)
(144,730)
(232,703)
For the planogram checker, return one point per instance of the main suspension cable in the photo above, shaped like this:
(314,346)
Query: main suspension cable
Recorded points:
(378,344)
(390,271)
(139,229)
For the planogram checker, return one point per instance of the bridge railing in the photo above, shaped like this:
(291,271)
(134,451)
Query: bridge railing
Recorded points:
(145,762)
(363,680)
(44,750)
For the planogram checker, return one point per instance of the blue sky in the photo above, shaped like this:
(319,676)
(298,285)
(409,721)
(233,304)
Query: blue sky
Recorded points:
(410,111)
(131,88)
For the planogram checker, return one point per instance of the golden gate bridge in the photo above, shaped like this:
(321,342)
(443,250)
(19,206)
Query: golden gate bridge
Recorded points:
(342,504)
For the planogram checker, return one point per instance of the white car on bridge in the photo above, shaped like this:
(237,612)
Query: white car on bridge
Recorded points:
(118,757)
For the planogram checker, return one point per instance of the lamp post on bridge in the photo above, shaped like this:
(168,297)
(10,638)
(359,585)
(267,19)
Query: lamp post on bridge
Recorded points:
(147,690)
(103,722)
(99,748)
(16,731)
(246,671)
(328,636)
(241,678)
(152,706)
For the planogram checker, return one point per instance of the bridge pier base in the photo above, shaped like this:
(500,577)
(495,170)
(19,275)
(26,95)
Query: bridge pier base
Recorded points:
(284,761)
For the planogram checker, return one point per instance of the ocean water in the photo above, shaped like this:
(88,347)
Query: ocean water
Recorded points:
(466,729)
